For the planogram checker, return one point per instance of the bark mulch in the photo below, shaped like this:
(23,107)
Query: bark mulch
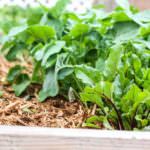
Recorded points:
(25,111)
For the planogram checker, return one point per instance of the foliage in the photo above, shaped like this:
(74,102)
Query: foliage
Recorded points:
(11,16)
(104,56)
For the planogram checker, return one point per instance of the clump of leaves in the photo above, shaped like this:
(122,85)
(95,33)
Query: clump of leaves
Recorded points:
(104,56)
(11,16)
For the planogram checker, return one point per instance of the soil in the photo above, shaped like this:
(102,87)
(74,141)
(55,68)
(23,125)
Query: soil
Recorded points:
(27,111)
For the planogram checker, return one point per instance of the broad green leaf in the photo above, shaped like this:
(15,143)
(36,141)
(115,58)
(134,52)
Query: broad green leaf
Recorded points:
(36,48)
(100,64)
(107,89)
(40,51)
(51,50)
(50,86)
(145,30)
(98,119)
(57,25)
(38,73)
(87,75)
(129,99)
(13,51)
(111,64)
(120,16)
(39,54)
(143,98)
(64,72)
(13,73)
(22,82)
(51,61)
(78,30)
(62,69)
(136,63)
(91,95)
(118,86)
(143,122)
(41,32)
(59,7)
(125,31)
(16,30)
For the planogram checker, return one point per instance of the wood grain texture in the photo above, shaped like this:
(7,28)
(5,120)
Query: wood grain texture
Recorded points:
(32,138)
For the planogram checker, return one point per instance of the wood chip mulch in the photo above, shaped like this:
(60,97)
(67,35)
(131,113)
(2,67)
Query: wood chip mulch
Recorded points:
(20,111)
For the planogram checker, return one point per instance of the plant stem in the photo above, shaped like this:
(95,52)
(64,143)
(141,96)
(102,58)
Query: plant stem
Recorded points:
(148,114)
(121,126)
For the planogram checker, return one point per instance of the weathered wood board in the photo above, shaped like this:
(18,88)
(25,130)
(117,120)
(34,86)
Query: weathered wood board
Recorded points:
(34,138)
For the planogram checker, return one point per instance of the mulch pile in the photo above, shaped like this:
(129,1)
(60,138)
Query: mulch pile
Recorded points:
(29,112)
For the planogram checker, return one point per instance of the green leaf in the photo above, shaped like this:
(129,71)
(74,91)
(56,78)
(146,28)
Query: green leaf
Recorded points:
(50,86)
(38,73)
(40,51)
(111,64)
(145,30)
(92,95)
(51,61)
(51,50)
(59,7)
(78,30)
(13,73)
(99,119)
(41,32)
(62,68)
(39,54)
(95,119)
(136,63)
(143,122)
(64,72)
(91,125)
(13,51)
(16,30)
(106,88)
(129,99)
(100,64)
(36,48)
(87,75)
(125,31)
(22,82)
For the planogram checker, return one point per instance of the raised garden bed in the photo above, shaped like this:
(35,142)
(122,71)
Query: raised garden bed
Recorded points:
(31,138)
(69,70)
(56,113)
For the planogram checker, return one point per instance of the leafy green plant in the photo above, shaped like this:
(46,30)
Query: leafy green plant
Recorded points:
(103,56)
(11,16)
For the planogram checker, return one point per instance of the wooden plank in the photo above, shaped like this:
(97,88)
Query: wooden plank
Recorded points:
(34,138)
